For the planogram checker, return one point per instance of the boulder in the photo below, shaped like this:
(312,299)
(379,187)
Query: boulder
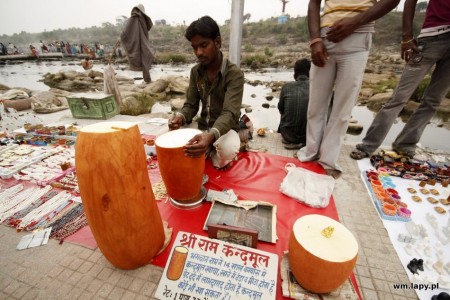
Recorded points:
(48,102)
(17,104)
(375,102)
(177,85)
(13,94)
(177,103)
(354,128)
(157,86)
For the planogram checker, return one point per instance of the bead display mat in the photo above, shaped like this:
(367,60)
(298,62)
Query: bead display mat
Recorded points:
(421,213)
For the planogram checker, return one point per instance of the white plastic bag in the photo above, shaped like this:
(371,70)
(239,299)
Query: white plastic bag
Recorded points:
(307,187)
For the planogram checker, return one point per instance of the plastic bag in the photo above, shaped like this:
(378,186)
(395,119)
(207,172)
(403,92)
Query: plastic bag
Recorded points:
(307,187)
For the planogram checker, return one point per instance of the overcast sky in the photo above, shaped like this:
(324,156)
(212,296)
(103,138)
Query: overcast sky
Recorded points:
(46,15)
(37,16)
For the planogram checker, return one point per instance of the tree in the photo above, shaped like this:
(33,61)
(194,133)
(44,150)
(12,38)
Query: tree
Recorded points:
(247,17)
(421,6)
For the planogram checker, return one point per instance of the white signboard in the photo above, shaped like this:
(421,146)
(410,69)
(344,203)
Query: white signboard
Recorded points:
(202,268)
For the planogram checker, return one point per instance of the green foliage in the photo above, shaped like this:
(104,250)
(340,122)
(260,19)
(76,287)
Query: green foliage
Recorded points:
(249,48)
(420,90)
(268,52)
(388,29)
(421,6)
(384,85)
(171,58)
(282,40)
(252,60)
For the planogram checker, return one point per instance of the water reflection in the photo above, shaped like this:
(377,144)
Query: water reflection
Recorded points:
(28,74)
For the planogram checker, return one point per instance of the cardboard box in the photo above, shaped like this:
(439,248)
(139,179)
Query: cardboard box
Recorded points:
(93,106)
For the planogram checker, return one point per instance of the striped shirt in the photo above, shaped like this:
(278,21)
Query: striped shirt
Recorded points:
(336,10)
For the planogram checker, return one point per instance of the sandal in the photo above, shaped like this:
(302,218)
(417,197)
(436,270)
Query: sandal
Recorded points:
(359,154)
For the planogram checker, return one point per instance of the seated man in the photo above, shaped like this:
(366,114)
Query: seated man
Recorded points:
(87,65)
(293,107)
(216,85)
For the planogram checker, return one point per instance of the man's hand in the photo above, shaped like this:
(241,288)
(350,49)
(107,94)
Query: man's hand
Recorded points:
(175,122)
(408,49)
(342,29)
(199,144)
(319,54)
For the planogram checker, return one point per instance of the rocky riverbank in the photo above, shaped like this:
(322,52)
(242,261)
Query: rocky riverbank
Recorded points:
(381,76)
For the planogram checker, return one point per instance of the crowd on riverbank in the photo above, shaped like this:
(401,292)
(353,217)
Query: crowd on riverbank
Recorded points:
(95,50)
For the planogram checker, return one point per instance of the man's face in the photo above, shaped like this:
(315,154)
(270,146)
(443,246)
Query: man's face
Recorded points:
(205,49)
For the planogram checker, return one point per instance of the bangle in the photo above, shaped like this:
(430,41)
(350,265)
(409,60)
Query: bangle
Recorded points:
(389,209)
(314,41)
(404,212)
(407,42)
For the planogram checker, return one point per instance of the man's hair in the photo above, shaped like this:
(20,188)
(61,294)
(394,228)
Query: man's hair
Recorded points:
(205,27)
(302,67)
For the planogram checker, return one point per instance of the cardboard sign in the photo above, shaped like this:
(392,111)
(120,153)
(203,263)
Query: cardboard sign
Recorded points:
(202,268)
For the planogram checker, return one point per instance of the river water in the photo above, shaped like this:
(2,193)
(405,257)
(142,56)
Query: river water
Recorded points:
(28,74)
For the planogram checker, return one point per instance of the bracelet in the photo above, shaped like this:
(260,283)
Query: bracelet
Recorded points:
(314,41)
(407,42)
(389,209)
(404,212)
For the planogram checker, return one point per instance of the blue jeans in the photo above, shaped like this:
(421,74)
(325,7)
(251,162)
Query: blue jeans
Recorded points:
(436,52)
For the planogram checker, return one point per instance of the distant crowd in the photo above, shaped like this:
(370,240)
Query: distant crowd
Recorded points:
(95,50)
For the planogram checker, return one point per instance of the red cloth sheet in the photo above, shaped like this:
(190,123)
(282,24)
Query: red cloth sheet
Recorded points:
(255,176)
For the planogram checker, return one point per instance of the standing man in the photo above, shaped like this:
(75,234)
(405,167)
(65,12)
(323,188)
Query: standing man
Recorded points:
(432,48)
(293,106)
(135,40)
(340,44)
(216,86)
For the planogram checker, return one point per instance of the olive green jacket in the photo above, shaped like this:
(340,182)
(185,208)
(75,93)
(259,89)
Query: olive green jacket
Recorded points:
(220,101)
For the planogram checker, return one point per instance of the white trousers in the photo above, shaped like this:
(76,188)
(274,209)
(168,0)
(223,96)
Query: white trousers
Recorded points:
(342,73)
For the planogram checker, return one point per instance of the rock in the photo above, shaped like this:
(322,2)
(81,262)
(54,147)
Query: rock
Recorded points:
(375,102)
(14,94)
(177,85)
(48,102)
(124,79)
(93,74)
(266,105)
(269,98)
(160,108)
(17,104)
(248,110)
(71,74)
(157,86)
(354,128)
(253,95)
(177,103)
(365,93)
(3,87)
